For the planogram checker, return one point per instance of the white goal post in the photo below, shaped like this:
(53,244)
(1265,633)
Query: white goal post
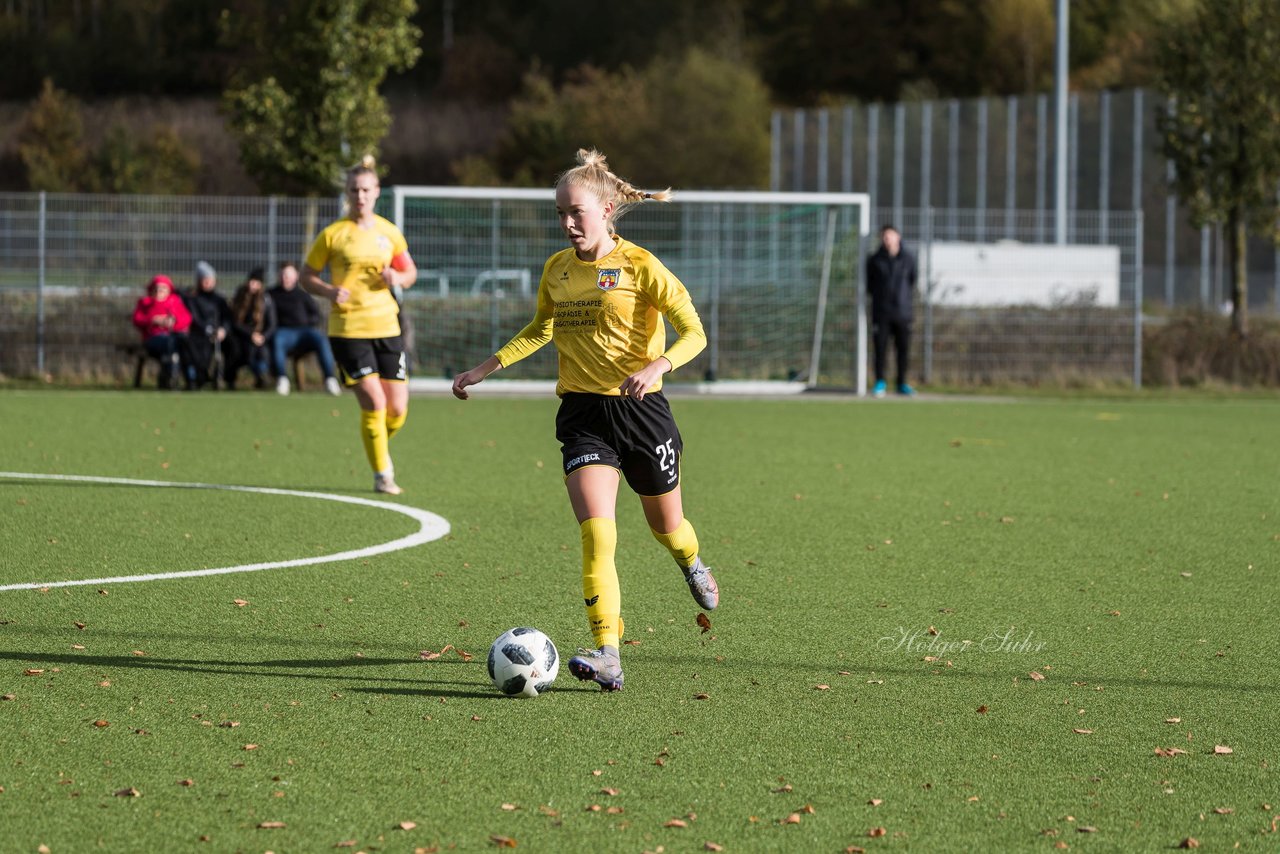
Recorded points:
(775,276)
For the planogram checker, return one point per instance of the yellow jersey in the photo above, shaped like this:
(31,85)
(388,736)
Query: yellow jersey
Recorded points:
(356,257)
(605,318)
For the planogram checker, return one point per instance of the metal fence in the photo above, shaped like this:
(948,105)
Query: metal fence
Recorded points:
(994,156)
(71,267)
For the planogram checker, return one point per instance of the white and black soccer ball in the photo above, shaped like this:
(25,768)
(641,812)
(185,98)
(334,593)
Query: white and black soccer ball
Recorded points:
(523,662)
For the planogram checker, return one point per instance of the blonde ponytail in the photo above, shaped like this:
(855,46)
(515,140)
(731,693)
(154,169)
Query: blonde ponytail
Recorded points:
(592,173)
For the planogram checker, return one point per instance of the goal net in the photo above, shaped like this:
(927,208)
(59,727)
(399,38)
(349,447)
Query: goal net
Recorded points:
(775,277)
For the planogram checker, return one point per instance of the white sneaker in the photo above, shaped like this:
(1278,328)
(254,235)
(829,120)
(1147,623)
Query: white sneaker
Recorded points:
(331,386)
(282,386)
(386,484)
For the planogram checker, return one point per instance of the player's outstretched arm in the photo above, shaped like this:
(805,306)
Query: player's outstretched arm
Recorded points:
(473,376)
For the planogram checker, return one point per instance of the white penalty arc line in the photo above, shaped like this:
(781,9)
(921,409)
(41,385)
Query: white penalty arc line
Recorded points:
(430,527)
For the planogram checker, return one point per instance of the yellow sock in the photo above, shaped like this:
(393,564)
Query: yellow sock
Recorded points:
(600,580)
(373,432)
(682,543)
(395,422)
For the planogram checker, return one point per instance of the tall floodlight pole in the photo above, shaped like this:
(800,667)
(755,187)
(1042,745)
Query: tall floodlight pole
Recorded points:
(1060,126)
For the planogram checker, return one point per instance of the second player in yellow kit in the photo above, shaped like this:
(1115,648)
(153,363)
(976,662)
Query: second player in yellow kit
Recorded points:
(602,303)
(367,256)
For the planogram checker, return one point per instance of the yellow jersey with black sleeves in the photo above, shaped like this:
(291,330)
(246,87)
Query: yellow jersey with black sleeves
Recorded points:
(606,319)
(356,257)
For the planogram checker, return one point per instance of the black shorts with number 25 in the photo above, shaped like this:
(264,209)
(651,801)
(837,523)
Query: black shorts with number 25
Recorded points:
(637,437)
(360,357)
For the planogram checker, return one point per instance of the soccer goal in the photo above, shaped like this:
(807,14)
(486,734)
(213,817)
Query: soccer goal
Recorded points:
(775,276)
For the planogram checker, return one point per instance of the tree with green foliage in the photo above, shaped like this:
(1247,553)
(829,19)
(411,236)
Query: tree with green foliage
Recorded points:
(306,103)
(51,143)
(159,163)
(696,120)
(1220,68)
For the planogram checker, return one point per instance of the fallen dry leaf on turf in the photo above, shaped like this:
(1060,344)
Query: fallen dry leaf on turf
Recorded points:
(271,825)
(130,792)
(1173,720)
(1222,749)
(187,782)
(782,789)
(503,841)
(702,696)
(1189,842)
(464,655)
(822,687)
(428,655)
(596,773)
(631,643)
(875,802)
(101,724)
(229,724)
(876,832)
(794,818)
(704,622)
(138,652)
(250,747)
(675,822)
(609,792)
(982,710)
(32,672)
(807,809)
(1037,676)
(77,646)
(613,810)
(7,697)
(79,625)
(711,846)
(1170,751)
(510,807)
(239,603)
(855,849)
(346,843)
(407,825)
(593,808)
(1086,829)
(1083,731)
(1223,810)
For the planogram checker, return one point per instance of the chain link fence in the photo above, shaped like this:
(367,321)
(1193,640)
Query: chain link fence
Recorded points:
(72,266)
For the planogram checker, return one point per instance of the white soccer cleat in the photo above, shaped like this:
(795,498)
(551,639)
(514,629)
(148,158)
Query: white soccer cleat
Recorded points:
(386,484)
(282,386)
(331,386)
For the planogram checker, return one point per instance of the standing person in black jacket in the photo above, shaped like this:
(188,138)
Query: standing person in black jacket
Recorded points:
(891,283)
(298,331)
(210,326)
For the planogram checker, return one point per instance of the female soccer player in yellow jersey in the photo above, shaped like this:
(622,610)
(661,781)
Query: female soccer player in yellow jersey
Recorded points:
(367,256)
(601,302)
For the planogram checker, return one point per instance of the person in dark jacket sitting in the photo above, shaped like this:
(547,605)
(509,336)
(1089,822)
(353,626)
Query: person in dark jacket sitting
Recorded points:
(298,331)
(253,319)
(891,284)
(210,326)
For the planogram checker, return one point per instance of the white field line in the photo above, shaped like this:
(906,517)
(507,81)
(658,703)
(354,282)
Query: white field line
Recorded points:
(430,527)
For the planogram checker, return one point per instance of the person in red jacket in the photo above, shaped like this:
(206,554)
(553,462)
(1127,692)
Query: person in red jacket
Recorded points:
(162,318)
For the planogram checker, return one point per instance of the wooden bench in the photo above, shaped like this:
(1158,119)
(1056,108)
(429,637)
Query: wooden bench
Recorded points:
(141,358)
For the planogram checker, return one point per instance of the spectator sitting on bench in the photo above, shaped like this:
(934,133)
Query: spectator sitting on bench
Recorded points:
(298,331)
(253,321)
(210,325)
(163,320)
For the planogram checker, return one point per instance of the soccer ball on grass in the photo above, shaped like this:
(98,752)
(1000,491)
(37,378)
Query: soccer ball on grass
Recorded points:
(523,662)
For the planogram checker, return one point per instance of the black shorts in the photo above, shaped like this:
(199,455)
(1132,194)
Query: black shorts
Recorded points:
(637,437)
(361,357)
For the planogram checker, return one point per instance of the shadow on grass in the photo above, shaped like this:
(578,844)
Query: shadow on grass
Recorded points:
(1003,677)
(487,695)
(281,668)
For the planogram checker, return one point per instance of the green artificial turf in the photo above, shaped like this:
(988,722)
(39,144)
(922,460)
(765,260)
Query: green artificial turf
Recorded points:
(1126,551)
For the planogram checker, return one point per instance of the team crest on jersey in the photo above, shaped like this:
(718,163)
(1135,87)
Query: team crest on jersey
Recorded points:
(384,242)
(607,280)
